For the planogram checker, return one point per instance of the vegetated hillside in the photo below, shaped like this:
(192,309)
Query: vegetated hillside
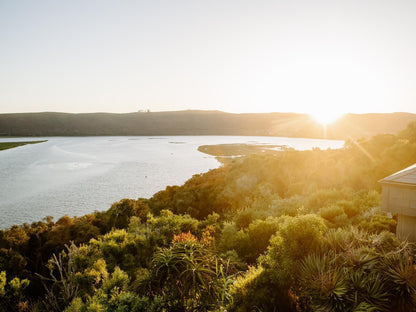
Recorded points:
(199,123)
(289,231)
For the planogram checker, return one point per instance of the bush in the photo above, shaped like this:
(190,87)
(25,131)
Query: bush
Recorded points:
(257,290)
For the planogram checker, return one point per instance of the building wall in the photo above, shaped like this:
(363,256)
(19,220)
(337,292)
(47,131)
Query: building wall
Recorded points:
(406,227)
(399,199)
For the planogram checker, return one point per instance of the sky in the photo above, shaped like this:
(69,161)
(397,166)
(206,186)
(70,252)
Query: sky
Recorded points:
(318,57)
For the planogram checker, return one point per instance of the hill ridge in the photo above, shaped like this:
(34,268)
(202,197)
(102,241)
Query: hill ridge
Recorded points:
(199,122)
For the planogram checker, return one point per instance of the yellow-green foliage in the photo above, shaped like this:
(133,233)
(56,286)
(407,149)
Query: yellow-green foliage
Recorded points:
(296,238)
(7,145)
(112,246)
(118,281)
(334,214)
(190,275)
(75,306)
(120,213)
(251,242)
(182,249)
(258,290)
(93,277)
(326,197)
(94,305)
(379,223)
(168,224)
(3,281)
(359,271)
(127,250)
(12,292)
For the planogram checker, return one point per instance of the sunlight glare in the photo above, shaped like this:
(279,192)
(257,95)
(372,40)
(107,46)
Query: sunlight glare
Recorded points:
(325,117)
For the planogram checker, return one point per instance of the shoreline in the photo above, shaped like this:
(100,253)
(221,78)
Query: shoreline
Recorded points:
(8,145)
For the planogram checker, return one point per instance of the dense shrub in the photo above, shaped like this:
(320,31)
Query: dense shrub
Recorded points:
(306,223)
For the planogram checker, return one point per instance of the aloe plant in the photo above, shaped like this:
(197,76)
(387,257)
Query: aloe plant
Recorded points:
(189,277)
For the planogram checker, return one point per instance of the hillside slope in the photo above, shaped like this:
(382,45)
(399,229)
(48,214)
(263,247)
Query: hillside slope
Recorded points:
(199,123)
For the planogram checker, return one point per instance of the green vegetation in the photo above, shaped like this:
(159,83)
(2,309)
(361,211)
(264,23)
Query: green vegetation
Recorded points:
(240,149)
(7,145)
(288,231)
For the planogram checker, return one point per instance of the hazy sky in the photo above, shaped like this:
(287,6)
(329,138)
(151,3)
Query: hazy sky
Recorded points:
(235,56)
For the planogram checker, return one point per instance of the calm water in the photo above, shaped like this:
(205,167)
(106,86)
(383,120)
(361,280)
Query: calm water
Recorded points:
(79,175)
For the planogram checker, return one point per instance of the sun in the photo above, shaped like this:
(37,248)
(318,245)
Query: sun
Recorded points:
(326,117)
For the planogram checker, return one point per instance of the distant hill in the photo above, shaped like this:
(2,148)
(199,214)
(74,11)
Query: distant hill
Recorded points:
(198,123)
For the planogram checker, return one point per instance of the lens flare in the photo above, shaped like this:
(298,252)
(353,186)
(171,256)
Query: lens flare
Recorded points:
(326,117)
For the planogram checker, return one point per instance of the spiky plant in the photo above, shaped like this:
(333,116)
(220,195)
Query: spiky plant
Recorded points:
(324,284)
(366,289)
(400,270)
(188,276)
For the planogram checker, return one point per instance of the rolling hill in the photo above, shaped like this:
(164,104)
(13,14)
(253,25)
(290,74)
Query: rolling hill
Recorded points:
(199,123)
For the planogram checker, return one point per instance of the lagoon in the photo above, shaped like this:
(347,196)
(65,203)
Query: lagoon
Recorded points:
(78,175)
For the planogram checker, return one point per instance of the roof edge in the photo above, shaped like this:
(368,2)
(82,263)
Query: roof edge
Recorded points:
(383,181)
(399,174)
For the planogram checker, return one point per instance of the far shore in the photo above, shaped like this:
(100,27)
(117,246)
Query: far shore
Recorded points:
(8,145)
(240,149)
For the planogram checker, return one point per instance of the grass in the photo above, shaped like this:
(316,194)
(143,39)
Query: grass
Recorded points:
(7,145)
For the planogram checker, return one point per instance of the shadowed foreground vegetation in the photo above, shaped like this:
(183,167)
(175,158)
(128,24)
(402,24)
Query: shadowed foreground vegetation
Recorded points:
(292,231)
(7,145)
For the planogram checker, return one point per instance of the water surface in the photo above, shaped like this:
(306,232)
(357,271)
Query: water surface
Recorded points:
(78,175)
